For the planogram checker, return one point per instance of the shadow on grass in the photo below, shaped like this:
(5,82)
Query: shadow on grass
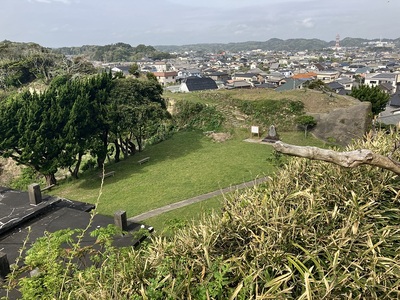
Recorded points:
(179,145)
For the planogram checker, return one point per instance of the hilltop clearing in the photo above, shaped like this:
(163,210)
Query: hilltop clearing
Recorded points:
(340,119)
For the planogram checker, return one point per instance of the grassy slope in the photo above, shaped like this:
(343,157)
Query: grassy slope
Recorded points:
(314,101)
(189,164)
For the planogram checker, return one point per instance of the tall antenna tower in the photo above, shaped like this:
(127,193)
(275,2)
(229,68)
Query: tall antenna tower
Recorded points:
(337,45)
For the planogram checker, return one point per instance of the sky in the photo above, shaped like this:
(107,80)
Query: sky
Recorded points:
(61,23)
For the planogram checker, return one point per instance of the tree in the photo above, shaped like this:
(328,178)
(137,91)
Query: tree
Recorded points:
(98,89)
(318,85)
(375,95)
(306,122)
(56,128)
(136,110)
(32,130)
(134,70)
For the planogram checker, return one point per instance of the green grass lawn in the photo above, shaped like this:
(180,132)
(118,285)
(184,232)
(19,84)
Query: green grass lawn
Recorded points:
(186,165)
(167,222)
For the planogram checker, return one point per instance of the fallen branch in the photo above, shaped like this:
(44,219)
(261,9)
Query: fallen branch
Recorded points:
(349,159)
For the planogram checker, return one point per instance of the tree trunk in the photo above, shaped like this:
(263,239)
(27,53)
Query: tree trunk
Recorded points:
(50,179)
(349,159)
(132,148)
(139,142)
(117,151)
(101,155)
(125,147)
(75,171)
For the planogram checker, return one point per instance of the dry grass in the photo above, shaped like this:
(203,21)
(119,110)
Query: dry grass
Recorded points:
(314,101)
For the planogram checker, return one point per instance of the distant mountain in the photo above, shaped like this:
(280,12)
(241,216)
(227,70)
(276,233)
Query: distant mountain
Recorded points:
(273,44)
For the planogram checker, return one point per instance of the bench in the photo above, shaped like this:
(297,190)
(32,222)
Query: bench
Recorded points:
(108,174)
(143,160)
(47,187)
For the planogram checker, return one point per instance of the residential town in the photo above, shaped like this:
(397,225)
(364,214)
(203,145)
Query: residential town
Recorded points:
(340,69)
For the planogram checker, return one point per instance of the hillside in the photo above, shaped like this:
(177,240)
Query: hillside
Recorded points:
(273,44)
(22,64)
(339,118)
(119,52)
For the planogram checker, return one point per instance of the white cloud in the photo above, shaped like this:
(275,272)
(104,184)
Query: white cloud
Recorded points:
(307,23)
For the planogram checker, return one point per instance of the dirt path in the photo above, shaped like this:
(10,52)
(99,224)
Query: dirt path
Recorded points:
(161,210)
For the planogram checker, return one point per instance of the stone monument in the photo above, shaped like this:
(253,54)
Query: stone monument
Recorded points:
(272,136)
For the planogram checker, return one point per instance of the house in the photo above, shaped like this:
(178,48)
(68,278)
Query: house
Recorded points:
(219,76)
(348,74)
(160,66)
(292,84)
(363,71)
(394,100)
(274,66)
(239,84)
(249,77)
(165,78)
(195,83)
(347,83)
(336,87)
(376,79)
(307,75)
(265,86)
(327,76)
(121,69)
(184,73)
(286,73)
(354,67)
(317,67)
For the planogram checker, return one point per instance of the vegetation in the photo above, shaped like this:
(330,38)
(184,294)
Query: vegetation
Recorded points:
(197,116)
(22,63)
(273,44)
(375,95)
(280,113)
(303,235)
(119,52)
(305,122)
(73,117)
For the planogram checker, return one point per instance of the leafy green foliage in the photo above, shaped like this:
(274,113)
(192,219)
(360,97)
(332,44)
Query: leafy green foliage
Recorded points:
(375,95)
(27,177)
(305,122)
(280,113)
(121,52)
(137,113)
(318,85)
(73,117)
(197,116)
(22,63)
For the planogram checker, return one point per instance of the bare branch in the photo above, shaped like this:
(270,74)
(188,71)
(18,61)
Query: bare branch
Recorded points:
(349,159)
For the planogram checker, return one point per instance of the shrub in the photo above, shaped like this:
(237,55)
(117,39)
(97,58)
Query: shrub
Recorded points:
(281,113)
(197,116)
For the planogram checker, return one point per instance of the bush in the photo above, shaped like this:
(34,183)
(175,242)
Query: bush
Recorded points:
(197,116)
(90,164)
(27,177)
(281,113)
